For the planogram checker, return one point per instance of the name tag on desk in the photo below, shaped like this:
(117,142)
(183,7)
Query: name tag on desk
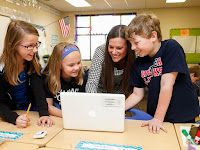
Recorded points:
(10,135)
(83,145)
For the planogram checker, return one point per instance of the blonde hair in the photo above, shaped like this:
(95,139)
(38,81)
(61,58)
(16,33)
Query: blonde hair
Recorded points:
(144,25)
(15,33)
(196,70)
(53,69)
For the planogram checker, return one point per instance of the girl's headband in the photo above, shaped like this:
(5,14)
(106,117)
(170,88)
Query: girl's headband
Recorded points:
(67,50)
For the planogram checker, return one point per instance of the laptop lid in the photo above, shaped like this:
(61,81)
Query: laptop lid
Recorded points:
(93,111)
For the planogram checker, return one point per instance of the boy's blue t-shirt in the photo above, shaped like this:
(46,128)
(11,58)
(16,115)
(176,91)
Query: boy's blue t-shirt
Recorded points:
(147,71)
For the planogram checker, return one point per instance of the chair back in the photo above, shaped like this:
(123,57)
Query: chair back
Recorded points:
(139,115)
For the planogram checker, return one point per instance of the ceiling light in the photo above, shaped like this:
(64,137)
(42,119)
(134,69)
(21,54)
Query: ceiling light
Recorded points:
(175,1)
(78,3)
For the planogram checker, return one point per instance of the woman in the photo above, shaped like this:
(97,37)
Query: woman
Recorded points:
(111,63)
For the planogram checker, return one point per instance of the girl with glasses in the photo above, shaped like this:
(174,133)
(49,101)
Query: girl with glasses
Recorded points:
(20,78)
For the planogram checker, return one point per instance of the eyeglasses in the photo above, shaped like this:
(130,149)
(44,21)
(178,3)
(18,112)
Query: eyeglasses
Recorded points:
(31,47)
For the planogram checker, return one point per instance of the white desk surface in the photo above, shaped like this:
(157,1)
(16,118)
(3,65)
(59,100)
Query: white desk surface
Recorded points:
(17,146)
(178,131)
(134,135)
(32,128)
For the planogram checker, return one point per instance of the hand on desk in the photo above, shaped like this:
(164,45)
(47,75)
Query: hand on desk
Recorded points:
(22,121)
(45,119)
(154,125)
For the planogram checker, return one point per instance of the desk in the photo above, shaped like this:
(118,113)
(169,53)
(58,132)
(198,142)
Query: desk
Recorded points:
(18,146)
(178,132)
(32,128)
(47,148)
(134,135)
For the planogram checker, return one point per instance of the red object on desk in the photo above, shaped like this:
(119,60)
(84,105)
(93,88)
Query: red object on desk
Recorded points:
(197,137)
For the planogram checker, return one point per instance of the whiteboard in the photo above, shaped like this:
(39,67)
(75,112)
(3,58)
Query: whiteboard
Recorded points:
(187,42)
(4,21)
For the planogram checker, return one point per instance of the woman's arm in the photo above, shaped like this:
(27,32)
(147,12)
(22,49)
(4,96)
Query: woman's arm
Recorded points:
(95,70)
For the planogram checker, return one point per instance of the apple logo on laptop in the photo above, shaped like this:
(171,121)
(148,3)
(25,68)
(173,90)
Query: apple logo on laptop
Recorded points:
(92,113)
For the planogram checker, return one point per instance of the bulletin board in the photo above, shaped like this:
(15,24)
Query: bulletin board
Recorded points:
(189,39)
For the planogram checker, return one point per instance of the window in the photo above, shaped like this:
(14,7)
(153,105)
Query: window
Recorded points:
(92,30)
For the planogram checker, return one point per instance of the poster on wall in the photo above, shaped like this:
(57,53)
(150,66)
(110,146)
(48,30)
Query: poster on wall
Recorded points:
(4,21)
(54,40)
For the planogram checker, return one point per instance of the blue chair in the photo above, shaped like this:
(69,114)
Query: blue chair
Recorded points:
(198,122)
(139,115)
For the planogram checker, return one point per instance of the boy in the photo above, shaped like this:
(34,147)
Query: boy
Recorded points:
(195,76)
(160,66)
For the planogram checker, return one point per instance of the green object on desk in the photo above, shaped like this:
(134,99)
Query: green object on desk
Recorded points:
(188,137)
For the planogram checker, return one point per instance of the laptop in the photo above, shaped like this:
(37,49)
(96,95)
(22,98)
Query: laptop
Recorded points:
(93,111)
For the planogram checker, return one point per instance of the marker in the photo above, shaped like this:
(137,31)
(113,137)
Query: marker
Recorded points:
(188,137)
(28,109)
(197,137)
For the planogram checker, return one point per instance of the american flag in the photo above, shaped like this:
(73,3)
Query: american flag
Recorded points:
(64,26)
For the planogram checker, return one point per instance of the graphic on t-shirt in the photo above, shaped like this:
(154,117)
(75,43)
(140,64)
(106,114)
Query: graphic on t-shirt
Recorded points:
(154,70)
(69,90)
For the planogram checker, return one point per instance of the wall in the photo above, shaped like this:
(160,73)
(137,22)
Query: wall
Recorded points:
(169,18)
(41,18)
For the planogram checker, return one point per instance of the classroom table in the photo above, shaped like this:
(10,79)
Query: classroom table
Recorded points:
(134,135)
(47,148)
(178,132)
(32,128)
(17,146)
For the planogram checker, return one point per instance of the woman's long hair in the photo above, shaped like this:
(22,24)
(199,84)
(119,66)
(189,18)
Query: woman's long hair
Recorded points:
(53,69)
(108,65)
(15,33)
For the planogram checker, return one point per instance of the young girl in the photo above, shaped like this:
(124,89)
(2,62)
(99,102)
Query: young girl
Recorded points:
(64,73)
(20,79)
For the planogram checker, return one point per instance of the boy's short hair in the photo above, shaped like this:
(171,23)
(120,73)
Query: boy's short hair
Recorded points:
(196,70)
(143,25)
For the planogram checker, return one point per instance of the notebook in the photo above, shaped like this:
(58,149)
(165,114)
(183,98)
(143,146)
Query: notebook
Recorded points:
(93,111)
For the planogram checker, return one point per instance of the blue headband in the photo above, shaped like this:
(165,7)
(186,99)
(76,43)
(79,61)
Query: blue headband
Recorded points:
(67,50)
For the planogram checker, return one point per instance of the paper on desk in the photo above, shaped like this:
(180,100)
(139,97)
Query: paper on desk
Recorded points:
(84,145)
(10,135)
(184,139)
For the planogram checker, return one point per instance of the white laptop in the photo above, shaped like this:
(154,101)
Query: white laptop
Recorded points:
(93,111)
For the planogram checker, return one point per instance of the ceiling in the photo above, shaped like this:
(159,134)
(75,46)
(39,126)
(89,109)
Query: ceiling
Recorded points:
(63,6)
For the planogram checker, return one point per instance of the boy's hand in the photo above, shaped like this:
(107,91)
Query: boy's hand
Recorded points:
(45,119)
(154,125)
(22,121)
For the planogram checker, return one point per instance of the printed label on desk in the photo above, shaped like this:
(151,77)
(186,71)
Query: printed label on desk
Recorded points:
(83,145)
(10,135)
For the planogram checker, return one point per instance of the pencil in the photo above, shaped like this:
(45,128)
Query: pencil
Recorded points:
(28,109)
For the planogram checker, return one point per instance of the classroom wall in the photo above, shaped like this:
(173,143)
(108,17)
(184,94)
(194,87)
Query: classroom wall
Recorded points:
(169,17)
(41,18)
